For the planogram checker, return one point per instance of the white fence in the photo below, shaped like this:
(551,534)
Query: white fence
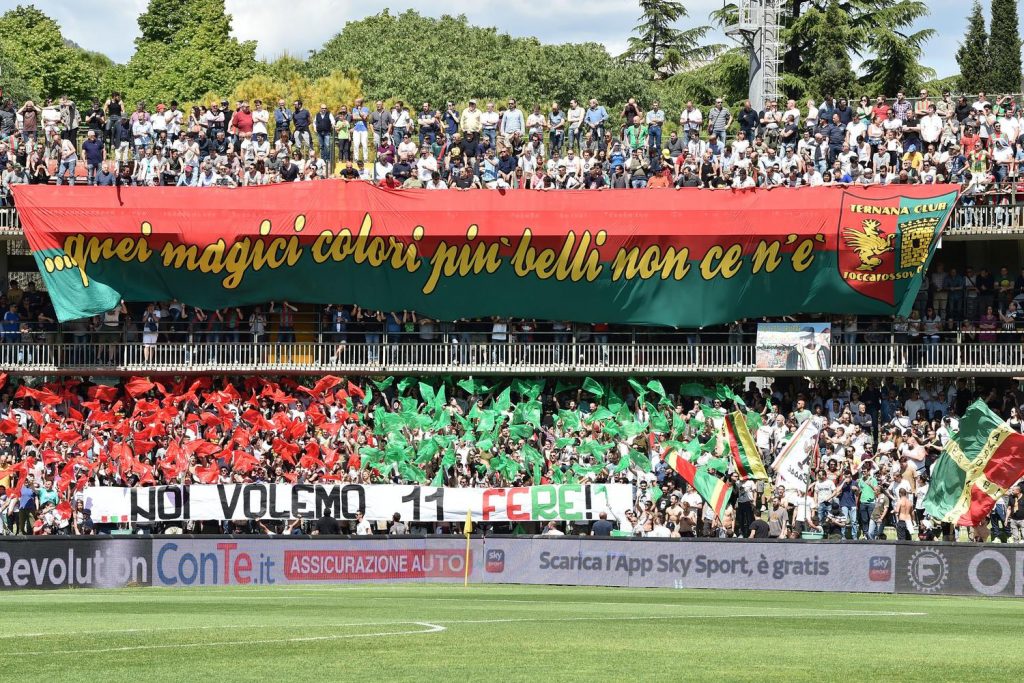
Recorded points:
(990,359)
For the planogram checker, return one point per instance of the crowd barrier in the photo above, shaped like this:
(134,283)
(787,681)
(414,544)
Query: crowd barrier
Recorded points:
(175,561)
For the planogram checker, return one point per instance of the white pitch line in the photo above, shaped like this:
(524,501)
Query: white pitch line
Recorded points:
(430,628)
(509,620)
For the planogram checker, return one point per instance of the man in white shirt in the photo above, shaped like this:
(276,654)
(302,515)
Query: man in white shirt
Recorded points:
(931,127)
(574,116)
(426,165)
(690,120)
(362,526)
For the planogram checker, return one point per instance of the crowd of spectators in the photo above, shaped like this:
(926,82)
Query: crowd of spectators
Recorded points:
(877,444)
(976,143)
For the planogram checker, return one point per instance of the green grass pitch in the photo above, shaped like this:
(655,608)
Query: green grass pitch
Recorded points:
(446,633)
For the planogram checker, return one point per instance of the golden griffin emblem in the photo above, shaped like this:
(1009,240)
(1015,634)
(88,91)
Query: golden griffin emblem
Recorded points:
(869,243)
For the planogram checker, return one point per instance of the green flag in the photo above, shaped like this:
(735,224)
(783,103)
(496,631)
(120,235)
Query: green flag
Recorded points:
(405,383)
(504,400)
(449,459)
(564,441)
(521,431)
(570,419)
(656,387)
(428,393)
(531,455)
(383,384)
(563,385)
(640,460)
(594,387)
(438,479)
(472,386)
(640,389)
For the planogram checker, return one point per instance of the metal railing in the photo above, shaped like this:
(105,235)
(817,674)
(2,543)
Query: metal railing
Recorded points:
(986,219)
(10,222)
(990,359)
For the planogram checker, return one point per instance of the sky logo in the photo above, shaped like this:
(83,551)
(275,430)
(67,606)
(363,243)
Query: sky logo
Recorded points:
(880,568)
(495,561)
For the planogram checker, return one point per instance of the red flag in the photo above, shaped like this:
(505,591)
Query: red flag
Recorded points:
(242,437)
(44,396)
(64,510)
(353,390)
(296,430)
(330,458)
(146,476)
(311,457)
(101,392)
(3,379)
(256,419)
(325,383)
(243,462)
(137,386)
(201,448)
(208,474)
(50,456)
(9,425)
(69,436)
(287,451)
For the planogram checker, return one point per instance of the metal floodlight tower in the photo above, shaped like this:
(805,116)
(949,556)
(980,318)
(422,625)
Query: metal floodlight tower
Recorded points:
(757,28)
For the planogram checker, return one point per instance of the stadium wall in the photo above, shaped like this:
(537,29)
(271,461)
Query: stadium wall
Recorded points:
(184,561)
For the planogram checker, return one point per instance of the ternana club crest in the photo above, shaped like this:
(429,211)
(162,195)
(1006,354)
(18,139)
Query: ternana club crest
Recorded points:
(883,243)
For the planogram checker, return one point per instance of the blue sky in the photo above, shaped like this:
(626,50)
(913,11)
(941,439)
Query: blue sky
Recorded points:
(109,26)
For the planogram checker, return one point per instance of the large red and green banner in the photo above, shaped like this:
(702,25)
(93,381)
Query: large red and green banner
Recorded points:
(666,257)
(976,468)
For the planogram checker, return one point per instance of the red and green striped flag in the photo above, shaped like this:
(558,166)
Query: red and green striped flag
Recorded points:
(976,467)
(744,450)
(712,489)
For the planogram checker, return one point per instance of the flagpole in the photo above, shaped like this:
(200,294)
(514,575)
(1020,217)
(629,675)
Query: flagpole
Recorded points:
(467,529)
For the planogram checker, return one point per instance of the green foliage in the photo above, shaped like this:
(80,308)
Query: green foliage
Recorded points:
(726,77)
(333,89)
(665,49)
(973,55)
(15,85)
(39,63)
(896,63)
(941,85)
(876,33)
(417,58)
(185,50)
(826,69)
(1004,47)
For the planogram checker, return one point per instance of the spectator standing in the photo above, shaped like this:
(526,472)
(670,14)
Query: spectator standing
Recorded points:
(360,131)
(95,153)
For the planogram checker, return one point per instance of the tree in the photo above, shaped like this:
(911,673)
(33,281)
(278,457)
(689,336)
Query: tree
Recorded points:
(828,71)
(334,89)
(725,77)
(665,49)
(192,52)
(1004,47)
(37,57)
(878,34)
(417,59)
(896,64)
(973,55)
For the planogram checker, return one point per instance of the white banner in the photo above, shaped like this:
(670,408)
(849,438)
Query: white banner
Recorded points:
(794,463)
(563,502)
